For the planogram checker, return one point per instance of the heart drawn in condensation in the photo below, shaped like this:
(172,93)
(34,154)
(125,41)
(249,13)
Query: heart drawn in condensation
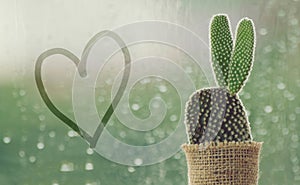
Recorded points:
(81,67)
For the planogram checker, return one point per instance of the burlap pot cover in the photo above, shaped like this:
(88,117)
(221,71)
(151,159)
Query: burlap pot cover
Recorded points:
(223,163)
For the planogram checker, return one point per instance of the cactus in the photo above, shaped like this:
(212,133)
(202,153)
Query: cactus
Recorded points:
(217,114)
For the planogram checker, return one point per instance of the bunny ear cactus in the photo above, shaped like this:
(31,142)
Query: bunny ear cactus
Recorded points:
(217,114)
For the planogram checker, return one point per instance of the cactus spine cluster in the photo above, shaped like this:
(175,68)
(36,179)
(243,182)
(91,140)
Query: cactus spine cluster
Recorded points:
(217,114)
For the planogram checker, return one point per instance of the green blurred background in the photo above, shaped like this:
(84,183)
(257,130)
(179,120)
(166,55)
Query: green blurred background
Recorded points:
(37,148)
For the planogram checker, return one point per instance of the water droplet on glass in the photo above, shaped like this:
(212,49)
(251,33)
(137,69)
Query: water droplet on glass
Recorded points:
(32,159)
(101,99)
(294,159)
(109,81)
(22,92)
(40,145)
(145,81)
(288,95)
(42,117)
(21,153)
(135,107)
(281,13)
(248,112)
(173,117)
(247,95)
(131,169)
(122,134)
(42,127)
(72,133)
(89,166)
(267,49)
(89,151)
(15,94)
(155,103)
(263,31)
(281,86)
(294,138)
(23,109)
(6,140)
(91,183)
(162,88)
(150,140)
(24,138)
(296,169)
(275,119)
(158,79)
(258,121)
(292,117)
(188,69)
(293,21)
(297,110)
(24,117)
(52,134)
(262,132)
(177,156)
(67,167)
(159,133)
(285,131)
(268,109)
(138,161)
(61,147)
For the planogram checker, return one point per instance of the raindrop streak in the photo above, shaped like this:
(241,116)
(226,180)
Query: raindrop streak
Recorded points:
(6,140)
(67,167)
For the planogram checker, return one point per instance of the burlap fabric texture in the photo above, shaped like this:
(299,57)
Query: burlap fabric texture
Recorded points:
(223,163)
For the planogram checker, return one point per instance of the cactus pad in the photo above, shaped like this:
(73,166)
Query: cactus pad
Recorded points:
(216,115)
(221,44)
(242,57)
